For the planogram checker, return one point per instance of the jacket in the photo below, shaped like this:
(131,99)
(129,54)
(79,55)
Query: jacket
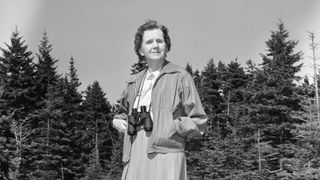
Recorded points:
(176,107)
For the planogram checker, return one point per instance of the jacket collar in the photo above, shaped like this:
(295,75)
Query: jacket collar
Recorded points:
(168,68)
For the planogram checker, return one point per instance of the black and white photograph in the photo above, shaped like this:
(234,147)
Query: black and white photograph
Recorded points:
(159,90)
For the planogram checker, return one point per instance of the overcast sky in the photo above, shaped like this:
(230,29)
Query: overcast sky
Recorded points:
(99,33)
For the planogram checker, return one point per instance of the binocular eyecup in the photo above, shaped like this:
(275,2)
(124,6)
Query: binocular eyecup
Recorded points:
(136,119)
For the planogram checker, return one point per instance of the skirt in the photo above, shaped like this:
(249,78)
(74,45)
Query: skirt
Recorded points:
(155,166)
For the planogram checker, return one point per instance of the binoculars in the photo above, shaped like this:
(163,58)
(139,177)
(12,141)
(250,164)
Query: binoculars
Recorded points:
(138,119)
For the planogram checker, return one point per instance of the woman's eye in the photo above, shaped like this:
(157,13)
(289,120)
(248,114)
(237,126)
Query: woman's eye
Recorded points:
(159,41)
(149,41)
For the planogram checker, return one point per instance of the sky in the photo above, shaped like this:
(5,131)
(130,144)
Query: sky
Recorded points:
(99,34)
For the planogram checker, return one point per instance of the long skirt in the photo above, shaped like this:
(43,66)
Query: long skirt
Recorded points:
(155,166)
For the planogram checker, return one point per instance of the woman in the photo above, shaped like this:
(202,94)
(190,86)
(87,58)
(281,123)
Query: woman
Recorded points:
(169,95)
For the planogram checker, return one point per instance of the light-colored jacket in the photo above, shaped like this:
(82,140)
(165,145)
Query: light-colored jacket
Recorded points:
(176,107)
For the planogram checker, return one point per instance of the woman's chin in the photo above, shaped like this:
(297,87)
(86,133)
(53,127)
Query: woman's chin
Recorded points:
(156,58)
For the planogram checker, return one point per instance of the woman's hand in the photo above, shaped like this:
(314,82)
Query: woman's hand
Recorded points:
(120,125)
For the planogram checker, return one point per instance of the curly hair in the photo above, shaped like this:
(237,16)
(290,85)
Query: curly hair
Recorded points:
(150,25)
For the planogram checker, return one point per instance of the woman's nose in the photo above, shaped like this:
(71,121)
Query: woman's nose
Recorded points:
(155,45)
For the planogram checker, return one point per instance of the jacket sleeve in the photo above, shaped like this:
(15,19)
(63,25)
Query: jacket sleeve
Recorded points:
(124,105)
(189,116)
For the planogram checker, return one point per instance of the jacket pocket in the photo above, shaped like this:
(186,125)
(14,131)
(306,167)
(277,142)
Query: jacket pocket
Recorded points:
(166,134)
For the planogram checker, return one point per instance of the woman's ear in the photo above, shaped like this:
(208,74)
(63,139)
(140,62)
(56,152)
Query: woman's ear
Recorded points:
(140,52)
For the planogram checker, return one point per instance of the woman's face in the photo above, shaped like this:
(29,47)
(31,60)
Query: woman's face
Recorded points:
(153,46)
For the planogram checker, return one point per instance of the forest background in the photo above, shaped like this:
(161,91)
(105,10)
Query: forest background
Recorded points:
(263,121)
(55,122)
(100,34)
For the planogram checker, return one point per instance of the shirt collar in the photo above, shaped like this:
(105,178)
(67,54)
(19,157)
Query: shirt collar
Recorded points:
(168,67)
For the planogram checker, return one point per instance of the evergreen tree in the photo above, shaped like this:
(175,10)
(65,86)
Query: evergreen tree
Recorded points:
(6,142)
(236,75)
(51,144)
(18,97)
(200,155)
(99,133)
(306,92)
(47,128)
(234,80)
(209,92)
(73,77)
(189,69)
(195,75)
(18,76)
(279,69)
(74,119)
(46,69)
(272,96)
(197,79)
(305,163)
(115,165)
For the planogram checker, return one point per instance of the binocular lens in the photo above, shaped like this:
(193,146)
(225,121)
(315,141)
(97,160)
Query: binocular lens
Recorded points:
(132,125)
(138,119)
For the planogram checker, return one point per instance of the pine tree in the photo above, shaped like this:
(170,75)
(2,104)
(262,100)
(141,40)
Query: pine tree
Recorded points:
(306,92)
(100,134)
(6,142)
(51,142)
(234,80)
(195,75)
(74,119)
(115,165)
(18,75)
(279,68)
(46,69)
(47,126)
(18,97)
(272,96)
(306,157)
(73,77)
(209,92)
(202,154)
(189,69)
(197,79)
(236,75)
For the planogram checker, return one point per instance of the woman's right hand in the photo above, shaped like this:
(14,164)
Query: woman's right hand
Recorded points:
(120,125)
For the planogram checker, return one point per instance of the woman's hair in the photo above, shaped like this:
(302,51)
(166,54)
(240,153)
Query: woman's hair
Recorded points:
(150,25)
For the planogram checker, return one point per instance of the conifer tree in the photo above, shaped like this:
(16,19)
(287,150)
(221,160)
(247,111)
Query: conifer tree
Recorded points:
(236,75)
(280,68)
(46,66)
(99,133)
(47,126)
(18,97)
(305,162)
(74,119)
(51,142)
(306,92)
(73,116)
(189,69)
(197,79)
(235,81)
(6,142)
(273,97)
(195,75)
(18,75)
(202,154)
(73,77)
(209,91)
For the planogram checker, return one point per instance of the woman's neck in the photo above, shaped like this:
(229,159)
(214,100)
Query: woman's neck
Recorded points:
(155,65)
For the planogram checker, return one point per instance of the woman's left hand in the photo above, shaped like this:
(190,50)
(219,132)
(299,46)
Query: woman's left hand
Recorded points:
(120,125)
